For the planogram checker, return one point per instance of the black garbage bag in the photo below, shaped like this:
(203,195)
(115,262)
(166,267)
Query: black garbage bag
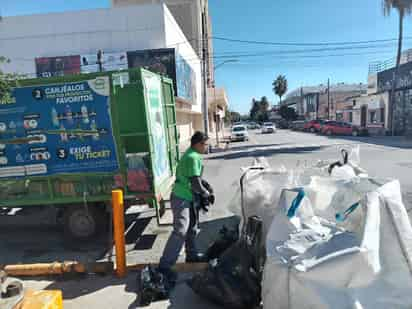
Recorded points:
(234,280)
(227,238)
(152,286)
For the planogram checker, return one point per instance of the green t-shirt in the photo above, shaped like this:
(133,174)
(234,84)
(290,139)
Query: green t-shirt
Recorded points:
(190,165)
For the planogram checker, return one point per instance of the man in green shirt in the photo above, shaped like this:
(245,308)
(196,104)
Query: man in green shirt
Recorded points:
(188,193)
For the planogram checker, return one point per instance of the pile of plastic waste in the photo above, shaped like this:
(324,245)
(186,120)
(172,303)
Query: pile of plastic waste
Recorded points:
(333,237)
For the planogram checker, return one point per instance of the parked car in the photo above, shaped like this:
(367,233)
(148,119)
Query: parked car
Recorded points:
(268,127)
(314,125)
(298,125)
(239,133)
(340,128)
(283,124)
(252,126)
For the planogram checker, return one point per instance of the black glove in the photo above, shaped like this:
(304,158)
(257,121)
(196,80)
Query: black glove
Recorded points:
(205,208)
(205,203)
(212,199)
(207,186)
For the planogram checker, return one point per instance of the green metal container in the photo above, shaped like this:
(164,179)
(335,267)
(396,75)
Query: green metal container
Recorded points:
(143,125)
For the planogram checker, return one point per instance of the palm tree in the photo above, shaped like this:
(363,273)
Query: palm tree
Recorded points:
(280,86)
(404,7)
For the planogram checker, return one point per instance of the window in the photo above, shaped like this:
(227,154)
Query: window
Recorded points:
(408,97)
(350,117)
(372,117)
(382,113)
(239,129)
(354,102)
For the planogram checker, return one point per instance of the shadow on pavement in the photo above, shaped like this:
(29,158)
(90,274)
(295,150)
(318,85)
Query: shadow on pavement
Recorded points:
(239,148)
(124,291)
(21,244)
(25,245)
(267,152)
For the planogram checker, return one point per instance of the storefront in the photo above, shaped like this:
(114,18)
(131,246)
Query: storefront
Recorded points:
(368,112)
(403,96)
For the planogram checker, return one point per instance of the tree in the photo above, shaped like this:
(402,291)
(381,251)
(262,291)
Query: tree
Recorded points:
(7,81)
(287,113)
(263,113)
(264,104)
(254,109)
(404,7)
(231,116)
(280,86)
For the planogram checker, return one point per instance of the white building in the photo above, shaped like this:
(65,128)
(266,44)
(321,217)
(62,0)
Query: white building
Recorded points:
(113,30)
(193,18)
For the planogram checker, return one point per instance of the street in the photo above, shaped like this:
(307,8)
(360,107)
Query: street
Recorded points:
(382,157)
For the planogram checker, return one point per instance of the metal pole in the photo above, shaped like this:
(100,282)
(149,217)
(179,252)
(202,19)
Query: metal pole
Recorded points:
(118,229)
(328,99)
(216,118)
(204,71)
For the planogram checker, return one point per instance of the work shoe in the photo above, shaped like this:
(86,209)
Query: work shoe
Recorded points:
(170,277)
(196,258)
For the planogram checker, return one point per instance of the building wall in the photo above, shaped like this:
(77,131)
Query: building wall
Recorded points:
(119,29)
(23,38)
(376,104)
(186,12)
(174,37)
(335,98)
(186,126)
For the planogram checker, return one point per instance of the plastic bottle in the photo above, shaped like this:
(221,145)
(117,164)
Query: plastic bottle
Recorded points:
(69,114)
(55,119)
(85,114)
(63,135)
(93,127)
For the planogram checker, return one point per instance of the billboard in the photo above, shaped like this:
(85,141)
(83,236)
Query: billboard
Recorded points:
(110,62)
(169,63)
(57,129)
(57,66)
(404,79)
(161,61)
(185,79)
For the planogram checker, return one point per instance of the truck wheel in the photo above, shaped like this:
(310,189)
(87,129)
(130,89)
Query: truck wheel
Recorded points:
(83,223)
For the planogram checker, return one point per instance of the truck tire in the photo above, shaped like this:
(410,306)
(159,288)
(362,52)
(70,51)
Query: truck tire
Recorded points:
(84,223)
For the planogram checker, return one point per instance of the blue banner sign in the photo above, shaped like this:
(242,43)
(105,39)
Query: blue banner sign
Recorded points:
(57,129)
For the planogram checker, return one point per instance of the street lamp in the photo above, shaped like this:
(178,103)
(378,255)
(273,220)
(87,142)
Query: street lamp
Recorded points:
(225,62)
(214,92)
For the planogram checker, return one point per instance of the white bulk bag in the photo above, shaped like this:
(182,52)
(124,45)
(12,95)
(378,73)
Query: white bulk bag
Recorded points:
(362,262)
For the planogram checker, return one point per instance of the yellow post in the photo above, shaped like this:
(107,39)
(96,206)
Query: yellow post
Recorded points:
(118,231)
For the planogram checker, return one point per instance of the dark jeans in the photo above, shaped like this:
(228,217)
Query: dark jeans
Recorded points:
(185,229)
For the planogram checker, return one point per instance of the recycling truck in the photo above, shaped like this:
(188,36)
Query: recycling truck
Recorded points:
(67,142)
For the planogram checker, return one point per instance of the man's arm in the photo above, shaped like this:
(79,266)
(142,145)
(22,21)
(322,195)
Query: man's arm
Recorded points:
(198,187)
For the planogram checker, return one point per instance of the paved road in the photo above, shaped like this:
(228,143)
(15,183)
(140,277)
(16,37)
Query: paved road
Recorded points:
(382,157)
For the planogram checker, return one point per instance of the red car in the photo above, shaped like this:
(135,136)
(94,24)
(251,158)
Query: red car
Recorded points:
(314,125)
(339,128)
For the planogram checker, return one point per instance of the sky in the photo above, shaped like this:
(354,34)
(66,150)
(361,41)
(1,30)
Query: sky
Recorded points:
(255,66)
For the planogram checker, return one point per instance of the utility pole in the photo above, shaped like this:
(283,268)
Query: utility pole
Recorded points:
(100,60)
(328,99)
(204,71)
(301,108)
(217,118)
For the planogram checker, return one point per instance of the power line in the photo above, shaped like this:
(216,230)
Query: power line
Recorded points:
(306,44)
